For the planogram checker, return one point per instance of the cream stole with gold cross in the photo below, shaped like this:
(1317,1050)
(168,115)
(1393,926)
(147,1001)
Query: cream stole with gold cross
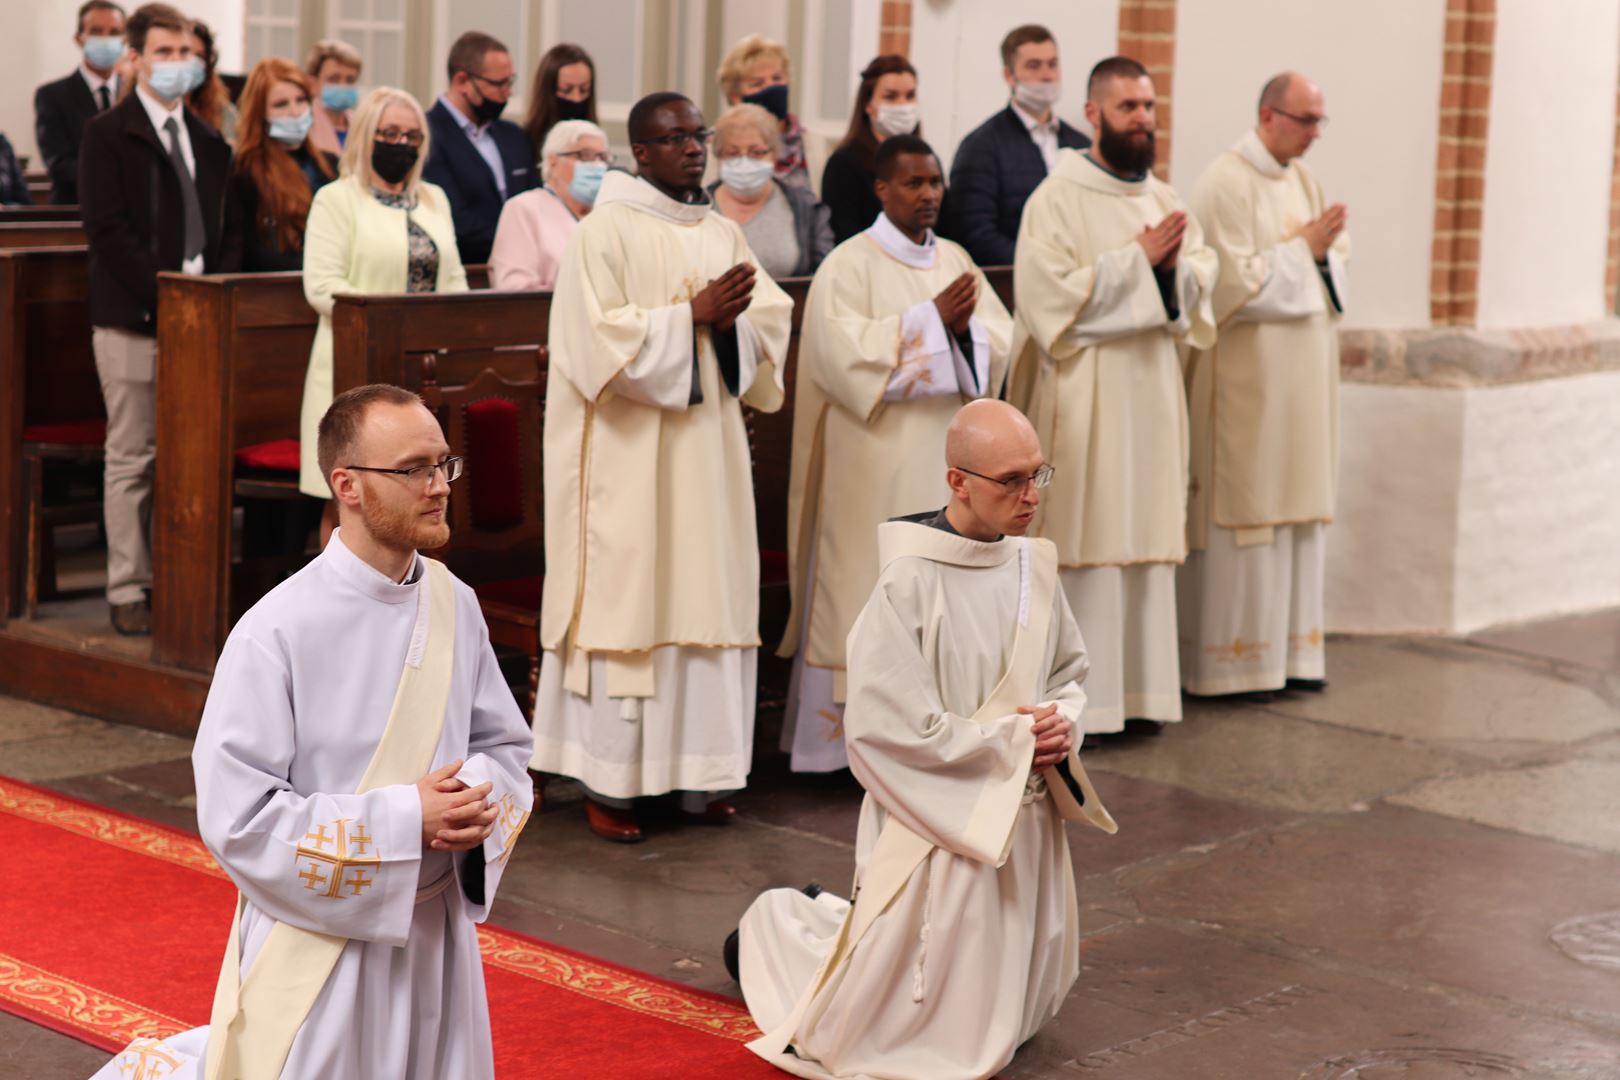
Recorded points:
(256,1017)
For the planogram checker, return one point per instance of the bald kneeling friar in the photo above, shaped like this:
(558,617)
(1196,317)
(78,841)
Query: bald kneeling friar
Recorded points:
(963,726)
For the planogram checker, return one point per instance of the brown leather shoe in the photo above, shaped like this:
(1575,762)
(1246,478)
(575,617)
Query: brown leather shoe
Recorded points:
(718,812)
(133,619)
(611,823)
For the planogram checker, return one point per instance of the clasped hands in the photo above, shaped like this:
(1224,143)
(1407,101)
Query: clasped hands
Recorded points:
(720,301)
(956,302)
(1054,735)
(1321,231)
(455,817)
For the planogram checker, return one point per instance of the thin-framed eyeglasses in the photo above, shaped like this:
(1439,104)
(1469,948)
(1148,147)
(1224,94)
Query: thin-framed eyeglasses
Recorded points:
(420,475)
(1015,485)
(702,136)
(758,153)
(508,83)
(1302,121)
(399,136)
(603,156)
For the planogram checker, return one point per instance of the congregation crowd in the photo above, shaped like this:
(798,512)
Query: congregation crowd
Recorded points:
(1158,404)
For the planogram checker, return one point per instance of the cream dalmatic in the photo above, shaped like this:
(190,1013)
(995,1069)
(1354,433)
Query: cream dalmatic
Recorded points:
(1095,367)
(304,691)
(649,622)
(880,376)
(964,935)
(1265,422)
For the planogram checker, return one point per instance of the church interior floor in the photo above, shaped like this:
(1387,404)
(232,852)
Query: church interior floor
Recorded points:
(1411,875)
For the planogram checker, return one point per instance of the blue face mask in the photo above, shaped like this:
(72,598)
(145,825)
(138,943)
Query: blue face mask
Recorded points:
(197,71)
(171,78)
(587,181)
(292,130)
(339,98)
(103,52)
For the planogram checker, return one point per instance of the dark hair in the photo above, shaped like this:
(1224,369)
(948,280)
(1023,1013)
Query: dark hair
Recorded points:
(208,100)
(1028,34)
(1115,67)
(341,424)
(95,5)
(641,113)
(468,53)
(543,111)
(859,137)
(148,16)
(894,147)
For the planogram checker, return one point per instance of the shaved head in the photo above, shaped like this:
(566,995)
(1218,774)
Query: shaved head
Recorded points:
(1291,115)
(991,452)
(984,431)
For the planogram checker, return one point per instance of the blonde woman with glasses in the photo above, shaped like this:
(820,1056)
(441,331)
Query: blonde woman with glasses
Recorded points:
(378,228)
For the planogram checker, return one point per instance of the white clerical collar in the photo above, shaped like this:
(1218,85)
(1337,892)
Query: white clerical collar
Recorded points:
(621,187)
(1079,168)
(902,539)
(1252,150)
(367,578)
(889,237)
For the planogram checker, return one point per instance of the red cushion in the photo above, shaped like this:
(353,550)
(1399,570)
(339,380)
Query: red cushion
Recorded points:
(773,567)
(519,592)
(279,455)
(494,463)
(71,433)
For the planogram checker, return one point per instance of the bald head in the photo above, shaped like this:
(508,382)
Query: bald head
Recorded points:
(1291,115)
(991,450)
(985,431)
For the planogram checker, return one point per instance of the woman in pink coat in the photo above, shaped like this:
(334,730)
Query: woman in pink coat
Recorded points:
(535,226)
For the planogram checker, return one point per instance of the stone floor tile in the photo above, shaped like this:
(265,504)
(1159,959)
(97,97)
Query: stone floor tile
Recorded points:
(1591,641)
(103,748)
(1576,801)
(26,720)
(31,1052)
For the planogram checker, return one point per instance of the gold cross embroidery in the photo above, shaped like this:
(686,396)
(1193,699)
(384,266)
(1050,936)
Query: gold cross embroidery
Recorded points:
(347,852)
(835,724)
(147,1059)
(512,821)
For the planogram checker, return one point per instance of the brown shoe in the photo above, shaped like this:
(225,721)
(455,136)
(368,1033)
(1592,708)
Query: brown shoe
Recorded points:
(718,812)
(133,619)
(611,823)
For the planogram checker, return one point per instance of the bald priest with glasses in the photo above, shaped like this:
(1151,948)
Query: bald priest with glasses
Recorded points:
(361,776)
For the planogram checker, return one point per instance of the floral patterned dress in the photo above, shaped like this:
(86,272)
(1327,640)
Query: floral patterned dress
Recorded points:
(424,253)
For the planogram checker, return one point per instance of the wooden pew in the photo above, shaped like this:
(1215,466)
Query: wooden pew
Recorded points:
(13,215)
(35,234)
(47,376)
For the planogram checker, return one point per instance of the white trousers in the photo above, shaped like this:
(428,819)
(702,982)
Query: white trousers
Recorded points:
(1127,616)
(1251,617)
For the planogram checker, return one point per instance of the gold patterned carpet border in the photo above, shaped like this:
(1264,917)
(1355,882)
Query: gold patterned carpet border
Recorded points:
(112,1017)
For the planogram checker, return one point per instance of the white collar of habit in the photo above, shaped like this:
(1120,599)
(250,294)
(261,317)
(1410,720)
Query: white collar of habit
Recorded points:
(1252,150)
(621,187)
(888,236)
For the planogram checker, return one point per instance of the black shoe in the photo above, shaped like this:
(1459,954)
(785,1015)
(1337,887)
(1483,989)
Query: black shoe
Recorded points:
(1144,727)
(1309,686)
(812,890)
(729,953)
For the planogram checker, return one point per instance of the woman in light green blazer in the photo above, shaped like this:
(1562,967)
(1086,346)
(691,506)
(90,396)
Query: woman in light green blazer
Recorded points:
(377,228)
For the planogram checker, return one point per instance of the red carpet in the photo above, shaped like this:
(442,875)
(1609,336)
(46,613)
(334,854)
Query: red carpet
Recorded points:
(112,927)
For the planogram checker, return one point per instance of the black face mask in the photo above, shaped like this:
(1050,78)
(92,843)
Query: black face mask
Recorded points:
(393,161)
(773,99)
(488,110)
(569,109)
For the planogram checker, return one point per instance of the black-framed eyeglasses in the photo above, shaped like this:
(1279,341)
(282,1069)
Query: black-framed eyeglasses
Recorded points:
(508,83)
(1302,121)
(398,136)
(420,474)
(702,136)
(1015,485)
(603,156)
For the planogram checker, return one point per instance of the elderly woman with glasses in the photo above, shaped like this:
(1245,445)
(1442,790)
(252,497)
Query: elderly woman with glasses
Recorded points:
(535,226)
(787,229)
(378,228)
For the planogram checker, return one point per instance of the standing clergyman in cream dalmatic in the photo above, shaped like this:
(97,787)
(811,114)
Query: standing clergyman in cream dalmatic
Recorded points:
(361,776)
(1265,410)
(962,725)
(900,328)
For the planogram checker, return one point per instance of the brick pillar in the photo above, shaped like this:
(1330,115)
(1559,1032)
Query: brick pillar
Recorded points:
(1465,101)
(1611,271)
(894,28)
(1147,34)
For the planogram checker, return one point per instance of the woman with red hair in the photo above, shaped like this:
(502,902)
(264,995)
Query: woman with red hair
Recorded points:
(278,169)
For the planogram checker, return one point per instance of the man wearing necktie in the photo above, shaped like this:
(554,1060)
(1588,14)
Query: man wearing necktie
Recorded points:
(63,107)
(152,188)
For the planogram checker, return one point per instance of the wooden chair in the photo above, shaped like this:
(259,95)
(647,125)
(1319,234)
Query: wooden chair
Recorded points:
(491,411)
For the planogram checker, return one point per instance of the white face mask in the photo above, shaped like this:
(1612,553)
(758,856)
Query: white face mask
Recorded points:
(1037,97)
(744,176)
(892,120)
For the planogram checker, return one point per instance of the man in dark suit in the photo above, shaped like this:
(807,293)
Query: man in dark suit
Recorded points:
(62,108)
(478,159)
(152,189)
(1001,161)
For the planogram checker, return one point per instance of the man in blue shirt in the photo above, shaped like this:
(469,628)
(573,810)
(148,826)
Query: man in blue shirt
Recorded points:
(478,159)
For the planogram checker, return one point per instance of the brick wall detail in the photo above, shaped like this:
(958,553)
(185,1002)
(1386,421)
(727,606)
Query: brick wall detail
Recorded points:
(1147,34)
(1465,100)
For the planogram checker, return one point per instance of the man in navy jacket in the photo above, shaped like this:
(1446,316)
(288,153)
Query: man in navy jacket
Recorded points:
(478,159)
(1001,161)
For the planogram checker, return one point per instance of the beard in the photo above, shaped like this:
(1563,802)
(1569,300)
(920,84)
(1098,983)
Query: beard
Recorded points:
(403,528)
(1127,152)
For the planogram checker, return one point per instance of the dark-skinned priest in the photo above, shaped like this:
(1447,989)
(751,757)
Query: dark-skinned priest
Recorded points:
(661,327)
(963,727)
(900,328)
